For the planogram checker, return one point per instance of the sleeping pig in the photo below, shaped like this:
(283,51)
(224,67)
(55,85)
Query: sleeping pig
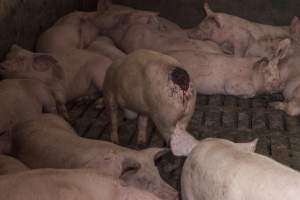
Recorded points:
(153,85)
(10,165)
(232,32)
(68,184)
(50,142)
(24,99)
(223,74)
(218,169)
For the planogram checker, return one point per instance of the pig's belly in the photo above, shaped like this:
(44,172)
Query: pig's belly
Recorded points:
(209,85)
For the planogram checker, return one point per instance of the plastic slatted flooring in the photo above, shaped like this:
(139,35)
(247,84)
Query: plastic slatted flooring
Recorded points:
(229,117)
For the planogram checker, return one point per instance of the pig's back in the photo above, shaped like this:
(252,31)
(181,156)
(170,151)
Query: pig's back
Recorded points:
(234,175)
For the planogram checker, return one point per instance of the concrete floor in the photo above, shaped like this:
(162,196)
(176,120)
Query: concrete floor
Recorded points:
(229,117)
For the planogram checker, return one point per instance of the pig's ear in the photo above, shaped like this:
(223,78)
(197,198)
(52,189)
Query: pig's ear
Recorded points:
(217,19)
(282,49)
(207,9)
(248,147)
(87,33)
(129,167)
(182,143)
(42,63)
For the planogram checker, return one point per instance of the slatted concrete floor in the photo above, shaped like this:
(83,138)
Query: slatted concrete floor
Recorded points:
(229,117)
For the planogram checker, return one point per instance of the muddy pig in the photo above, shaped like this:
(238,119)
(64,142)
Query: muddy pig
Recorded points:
(68,184)
(50,142)
(234,33)
(153,85)
(218,169)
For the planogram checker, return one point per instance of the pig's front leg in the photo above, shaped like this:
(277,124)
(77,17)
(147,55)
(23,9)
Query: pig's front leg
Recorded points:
(60,105)
(239,87)
(112,110)
(142,129)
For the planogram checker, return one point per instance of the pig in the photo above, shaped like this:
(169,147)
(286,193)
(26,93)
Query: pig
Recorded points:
(74,30)
(105,46)
(68,184)
(218,169)
(24,99)
(132,31)
(165,24)
(224,74)
(234,33)
(49,136)
(73,74)
(153,85)
(295,29)
(10,165)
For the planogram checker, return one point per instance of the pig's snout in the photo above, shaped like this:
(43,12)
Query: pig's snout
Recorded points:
(181,78)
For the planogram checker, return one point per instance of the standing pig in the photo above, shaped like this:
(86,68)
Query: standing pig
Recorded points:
(223,74)
(234,32)
(24,99)
(49,136)
(153,85)
(10,165)
(68,184)
(218,169)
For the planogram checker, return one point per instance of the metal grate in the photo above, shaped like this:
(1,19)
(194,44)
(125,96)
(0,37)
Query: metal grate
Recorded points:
(229,117)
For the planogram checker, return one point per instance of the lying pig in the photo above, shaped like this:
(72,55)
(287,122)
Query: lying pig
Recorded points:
(130,33)
(223,74)
(153,85)
(68,184)
(50,137)
(24,99)
(73,74)
(74,30)
(234,32)
(105,46)
(10,165)
(164,24)
(218,169)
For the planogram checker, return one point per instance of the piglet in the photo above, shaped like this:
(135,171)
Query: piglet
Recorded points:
(153,85)
(233,33)
(10,165)
(68,184)
(218,169)
(50,142)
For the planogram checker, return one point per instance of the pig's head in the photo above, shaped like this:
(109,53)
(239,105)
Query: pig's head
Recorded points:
(21,63)
(269,68)
(182,144)
(211,27)
(145,174)
(295,29)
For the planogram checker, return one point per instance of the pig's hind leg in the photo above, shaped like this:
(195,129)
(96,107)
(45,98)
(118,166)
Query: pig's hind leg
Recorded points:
(292,108)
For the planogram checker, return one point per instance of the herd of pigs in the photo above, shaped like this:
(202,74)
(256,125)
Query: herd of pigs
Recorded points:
(147,67)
